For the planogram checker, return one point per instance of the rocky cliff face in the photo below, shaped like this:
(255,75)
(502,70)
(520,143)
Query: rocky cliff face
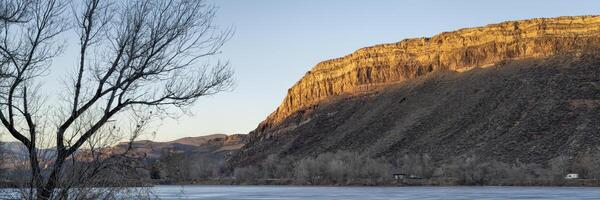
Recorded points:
(526,90)
(459,50)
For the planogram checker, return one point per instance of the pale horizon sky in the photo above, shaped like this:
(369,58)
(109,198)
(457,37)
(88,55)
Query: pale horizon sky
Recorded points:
(277,41)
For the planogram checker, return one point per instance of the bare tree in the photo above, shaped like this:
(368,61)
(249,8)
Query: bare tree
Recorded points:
(13,11)
(2,159)
(415,164)
(137,61)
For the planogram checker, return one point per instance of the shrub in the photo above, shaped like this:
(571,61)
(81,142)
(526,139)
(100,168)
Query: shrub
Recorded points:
(249,173)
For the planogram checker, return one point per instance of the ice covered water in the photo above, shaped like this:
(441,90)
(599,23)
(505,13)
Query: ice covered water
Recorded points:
(365,193)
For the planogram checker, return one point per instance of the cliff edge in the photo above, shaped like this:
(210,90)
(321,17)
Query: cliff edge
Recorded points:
(459,50)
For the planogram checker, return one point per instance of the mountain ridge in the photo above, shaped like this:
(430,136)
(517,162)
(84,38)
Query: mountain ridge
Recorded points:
(213,143)
(456,50)
(334,106)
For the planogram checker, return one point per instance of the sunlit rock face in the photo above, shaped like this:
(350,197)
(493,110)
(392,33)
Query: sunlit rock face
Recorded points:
(525,91)
(372,67)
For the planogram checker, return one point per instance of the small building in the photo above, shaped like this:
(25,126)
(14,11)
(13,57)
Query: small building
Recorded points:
(414,177)
(405,176)
(572,176)
(399,176)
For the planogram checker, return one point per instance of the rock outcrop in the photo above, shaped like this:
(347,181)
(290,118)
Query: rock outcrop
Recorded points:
(459,50)
(520,90)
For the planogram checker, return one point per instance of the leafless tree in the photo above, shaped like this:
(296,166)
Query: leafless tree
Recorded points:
(13,11)
(100,170)
(415,164)
(2,159)
(341,167)
(587,165)
(250,174)
(138,59)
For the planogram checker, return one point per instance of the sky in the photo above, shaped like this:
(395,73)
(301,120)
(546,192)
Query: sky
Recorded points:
(277,41)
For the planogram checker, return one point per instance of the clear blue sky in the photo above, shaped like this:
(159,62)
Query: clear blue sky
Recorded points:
(277,41)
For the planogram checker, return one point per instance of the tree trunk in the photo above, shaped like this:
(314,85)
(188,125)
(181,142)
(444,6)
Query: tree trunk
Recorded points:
(46,191)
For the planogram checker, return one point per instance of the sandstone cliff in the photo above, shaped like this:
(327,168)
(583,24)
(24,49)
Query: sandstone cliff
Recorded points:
(459,50)
(521,90)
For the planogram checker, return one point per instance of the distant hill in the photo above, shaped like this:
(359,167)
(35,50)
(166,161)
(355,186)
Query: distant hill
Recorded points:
(210,144)
(217,146)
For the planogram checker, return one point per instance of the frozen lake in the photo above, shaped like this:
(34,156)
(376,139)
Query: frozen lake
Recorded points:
(365,193)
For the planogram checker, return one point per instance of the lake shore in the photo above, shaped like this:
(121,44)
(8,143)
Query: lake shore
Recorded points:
(390,183)
(387,183)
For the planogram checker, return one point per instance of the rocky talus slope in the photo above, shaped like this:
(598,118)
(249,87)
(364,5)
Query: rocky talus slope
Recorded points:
(516,89)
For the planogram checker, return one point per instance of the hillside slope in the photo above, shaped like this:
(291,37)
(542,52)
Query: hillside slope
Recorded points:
(213,145)
(502,91)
